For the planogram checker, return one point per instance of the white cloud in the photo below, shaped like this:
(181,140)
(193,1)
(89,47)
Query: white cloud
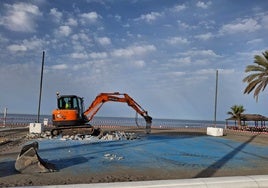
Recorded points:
(80,42)
(254,41)
(210,71)
(203,5)
(202,53)
(95,69)
(117,17)
(264,21)
(20,17)
(178,8)
(78,47)
(90,17)
(245,25)
(226,71)
(133,51)
(209,53)
(183,60)
(184,25)
(104,41)
(71,22)
(205,36)
(79,55)
(100,55)
(33,43)
(177,73)
(81,36)
(139,63)
(16,48)
(3,39)
(249,55)
(150,17)
(206,71)
(59,67)
(56,14)
(27,44)
(64,30)
(177,40)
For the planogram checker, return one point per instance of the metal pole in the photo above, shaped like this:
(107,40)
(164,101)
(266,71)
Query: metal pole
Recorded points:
(216,94)
(41,84)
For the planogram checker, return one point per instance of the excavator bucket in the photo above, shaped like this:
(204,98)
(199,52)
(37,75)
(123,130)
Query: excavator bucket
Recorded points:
(28,161)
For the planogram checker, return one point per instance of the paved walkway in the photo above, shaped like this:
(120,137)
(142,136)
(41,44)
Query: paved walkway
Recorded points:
(204,154)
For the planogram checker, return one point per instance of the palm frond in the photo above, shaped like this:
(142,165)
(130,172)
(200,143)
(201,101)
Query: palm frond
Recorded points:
(261,61)
(265,54)
(265,82)
(258,80)
(236,111)
(251,86)
(257,90)
(251,68)
(230,113)
(251,77)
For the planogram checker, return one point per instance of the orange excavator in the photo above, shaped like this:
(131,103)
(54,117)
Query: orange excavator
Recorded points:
(70,115)
(70,112)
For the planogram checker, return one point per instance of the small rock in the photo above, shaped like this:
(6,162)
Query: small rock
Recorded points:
(65,137)
(107,155)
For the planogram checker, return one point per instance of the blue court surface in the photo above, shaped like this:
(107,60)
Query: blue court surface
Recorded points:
(154,152)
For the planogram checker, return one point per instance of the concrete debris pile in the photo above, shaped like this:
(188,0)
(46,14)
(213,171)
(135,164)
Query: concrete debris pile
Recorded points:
(120,135)
(45,134)
(106,137)
(111,136)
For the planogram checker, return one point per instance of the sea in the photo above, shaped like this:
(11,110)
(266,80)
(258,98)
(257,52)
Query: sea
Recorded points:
(17,120)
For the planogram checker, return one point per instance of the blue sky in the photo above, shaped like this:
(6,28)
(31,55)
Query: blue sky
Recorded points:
(163,53)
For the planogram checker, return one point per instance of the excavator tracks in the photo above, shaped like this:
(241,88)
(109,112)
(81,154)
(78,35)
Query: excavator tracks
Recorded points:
(71,130)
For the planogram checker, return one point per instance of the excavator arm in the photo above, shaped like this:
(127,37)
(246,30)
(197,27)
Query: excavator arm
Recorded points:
(116,97)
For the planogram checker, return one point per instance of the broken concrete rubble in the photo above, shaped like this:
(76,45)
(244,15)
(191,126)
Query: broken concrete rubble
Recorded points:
(117,135)
(111,157)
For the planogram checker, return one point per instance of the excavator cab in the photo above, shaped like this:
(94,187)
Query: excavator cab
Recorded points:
(69,111)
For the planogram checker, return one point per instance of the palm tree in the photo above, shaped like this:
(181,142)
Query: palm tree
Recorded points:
(258,79)
(236,111)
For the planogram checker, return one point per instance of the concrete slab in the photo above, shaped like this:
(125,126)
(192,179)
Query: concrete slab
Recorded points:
(202,153)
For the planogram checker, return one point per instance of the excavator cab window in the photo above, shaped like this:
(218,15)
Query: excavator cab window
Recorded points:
(80,108)
(68,102)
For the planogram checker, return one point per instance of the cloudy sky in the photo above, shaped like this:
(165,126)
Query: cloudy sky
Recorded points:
(163,53)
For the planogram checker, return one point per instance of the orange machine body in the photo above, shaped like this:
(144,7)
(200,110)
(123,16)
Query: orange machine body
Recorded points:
(65,117)
(69,111)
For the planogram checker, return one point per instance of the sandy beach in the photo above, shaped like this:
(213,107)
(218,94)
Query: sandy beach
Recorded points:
(10,150)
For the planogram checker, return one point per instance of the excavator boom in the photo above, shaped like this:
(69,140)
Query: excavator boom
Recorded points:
(115,97)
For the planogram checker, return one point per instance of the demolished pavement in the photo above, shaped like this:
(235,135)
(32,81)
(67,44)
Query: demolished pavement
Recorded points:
(29,161)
